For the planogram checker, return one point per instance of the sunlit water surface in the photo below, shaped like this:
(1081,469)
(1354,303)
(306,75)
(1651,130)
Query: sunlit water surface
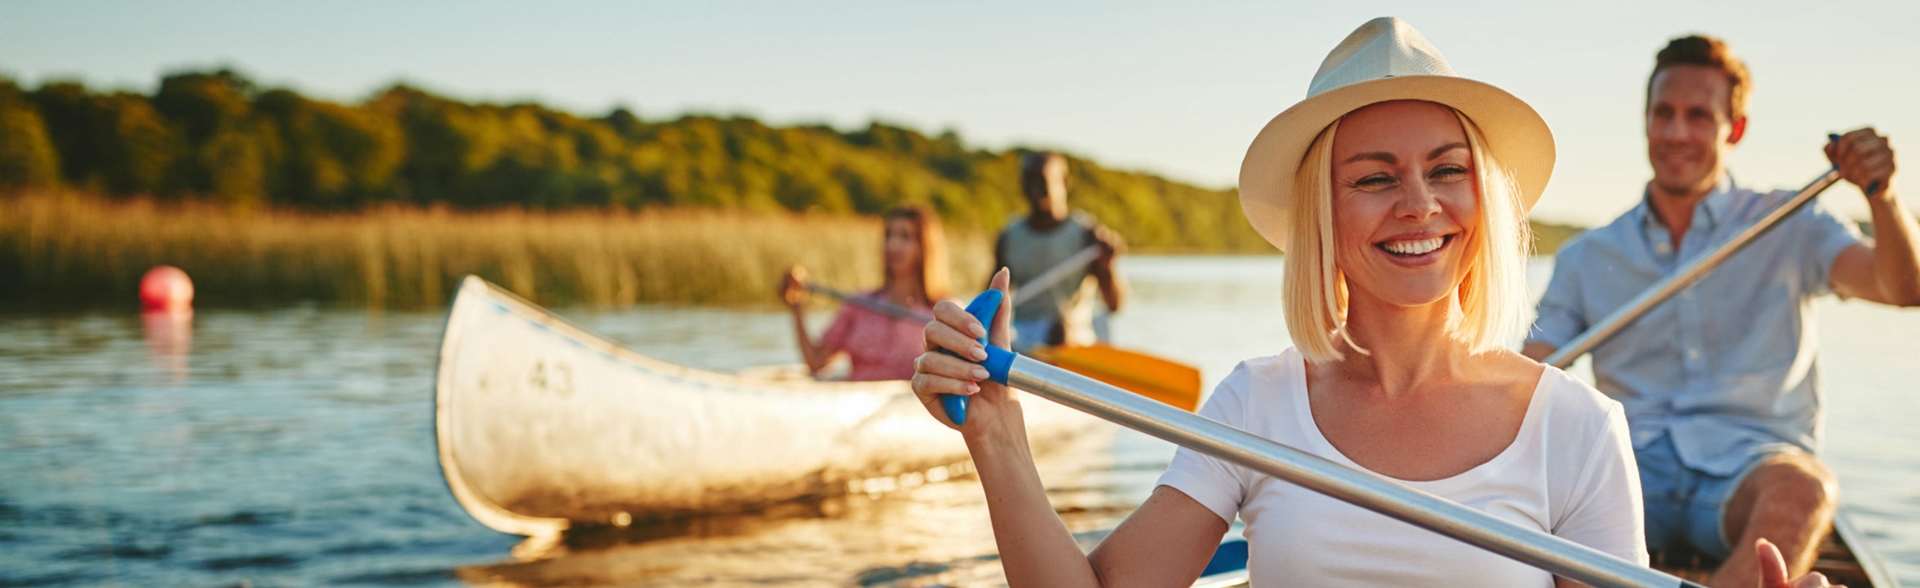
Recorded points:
(295,447)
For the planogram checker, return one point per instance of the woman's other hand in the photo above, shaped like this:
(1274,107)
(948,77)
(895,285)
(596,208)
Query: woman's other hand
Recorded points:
(1773,570)
(793,287)
(936,373)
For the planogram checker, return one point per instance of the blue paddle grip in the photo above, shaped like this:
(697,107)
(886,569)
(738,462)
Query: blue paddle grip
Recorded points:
(983,307)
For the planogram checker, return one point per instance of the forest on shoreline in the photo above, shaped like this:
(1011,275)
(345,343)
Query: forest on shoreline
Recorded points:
(267,196)
(218,136)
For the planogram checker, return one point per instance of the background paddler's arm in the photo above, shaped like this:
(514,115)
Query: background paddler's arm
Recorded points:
(1113,287)
(793,291)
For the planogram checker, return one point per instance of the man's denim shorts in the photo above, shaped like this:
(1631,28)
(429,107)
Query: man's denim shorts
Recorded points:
(1686,507)
(1029,334)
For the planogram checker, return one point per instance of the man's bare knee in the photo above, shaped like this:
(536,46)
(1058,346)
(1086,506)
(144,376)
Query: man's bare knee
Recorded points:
(1793,485)
(1797,480)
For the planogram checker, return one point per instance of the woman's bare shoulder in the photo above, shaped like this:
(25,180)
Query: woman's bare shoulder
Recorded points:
(1563,391)
(1508,368)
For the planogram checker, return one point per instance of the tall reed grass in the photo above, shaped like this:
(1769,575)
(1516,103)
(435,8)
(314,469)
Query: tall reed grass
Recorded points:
(61,248)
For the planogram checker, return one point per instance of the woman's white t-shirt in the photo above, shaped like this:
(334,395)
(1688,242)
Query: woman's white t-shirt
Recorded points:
(1569,472)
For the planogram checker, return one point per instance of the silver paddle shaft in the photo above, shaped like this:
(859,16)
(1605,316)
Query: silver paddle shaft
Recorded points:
(880,306)
(1686,276)
(1553,554)
(1046,279)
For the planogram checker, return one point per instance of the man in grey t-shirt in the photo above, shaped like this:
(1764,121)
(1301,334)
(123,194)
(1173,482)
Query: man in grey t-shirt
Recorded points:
(1050,234)
(1721,384)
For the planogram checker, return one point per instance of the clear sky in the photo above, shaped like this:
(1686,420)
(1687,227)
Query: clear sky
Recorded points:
(1171,88)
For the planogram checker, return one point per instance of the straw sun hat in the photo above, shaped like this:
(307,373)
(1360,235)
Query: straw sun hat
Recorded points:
(1383,60)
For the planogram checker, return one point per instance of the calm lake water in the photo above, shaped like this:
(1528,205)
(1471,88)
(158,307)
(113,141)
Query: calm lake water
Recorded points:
(295,447)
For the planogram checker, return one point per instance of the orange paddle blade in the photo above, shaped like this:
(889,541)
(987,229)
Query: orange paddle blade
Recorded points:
(1173,383)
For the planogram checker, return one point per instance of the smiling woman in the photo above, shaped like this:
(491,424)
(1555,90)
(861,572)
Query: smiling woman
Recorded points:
(1389,188)
(1457,175)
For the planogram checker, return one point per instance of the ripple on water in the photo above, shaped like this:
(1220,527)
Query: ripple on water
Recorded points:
(267,561)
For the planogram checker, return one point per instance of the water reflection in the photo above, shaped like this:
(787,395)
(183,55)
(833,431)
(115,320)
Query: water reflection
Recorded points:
(933,535)
(169,336)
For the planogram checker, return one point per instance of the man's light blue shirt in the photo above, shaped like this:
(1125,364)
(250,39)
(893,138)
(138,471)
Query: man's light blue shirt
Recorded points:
(1727,366)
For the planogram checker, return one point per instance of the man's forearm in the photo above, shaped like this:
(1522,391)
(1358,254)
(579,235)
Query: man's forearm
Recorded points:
(1896,260)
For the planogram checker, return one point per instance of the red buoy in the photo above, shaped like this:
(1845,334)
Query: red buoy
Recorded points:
(166,288)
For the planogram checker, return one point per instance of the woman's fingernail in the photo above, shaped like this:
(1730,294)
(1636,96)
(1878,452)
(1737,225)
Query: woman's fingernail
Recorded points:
(980,373)
(1833,136)
(979,353)
(977,330)
(972,387)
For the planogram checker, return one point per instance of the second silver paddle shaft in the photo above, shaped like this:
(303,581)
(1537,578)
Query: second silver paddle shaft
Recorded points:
(1686,276)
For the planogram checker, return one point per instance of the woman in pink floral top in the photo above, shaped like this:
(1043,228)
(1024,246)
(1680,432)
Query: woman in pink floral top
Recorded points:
(878,346)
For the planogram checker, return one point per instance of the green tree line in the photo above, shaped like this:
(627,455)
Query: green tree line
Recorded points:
(218,136)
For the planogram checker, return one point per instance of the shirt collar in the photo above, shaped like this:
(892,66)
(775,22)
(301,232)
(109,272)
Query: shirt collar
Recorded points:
(1707,214)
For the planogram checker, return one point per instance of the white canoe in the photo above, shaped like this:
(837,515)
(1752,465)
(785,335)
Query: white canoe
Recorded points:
(542,425)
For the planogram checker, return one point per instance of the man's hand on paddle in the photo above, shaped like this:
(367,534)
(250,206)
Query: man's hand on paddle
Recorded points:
(936,373)
(1865,158)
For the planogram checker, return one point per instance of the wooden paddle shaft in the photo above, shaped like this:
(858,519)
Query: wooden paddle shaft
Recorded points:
(1686,276)
(1529,546)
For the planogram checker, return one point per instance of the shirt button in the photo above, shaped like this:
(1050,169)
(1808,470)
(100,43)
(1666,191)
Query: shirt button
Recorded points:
(1661,248)
(1686,295)
(1693,353)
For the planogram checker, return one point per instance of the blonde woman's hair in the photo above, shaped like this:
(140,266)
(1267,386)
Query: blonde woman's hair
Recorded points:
(1489,305)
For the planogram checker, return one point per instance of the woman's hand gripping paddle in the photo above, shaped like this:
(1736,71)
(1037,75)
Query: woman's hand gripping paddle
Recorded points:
(1168,382)
(983,308)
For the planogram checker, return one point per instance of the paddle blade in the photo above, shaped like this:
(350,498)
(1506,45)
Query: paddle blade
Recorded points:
(1172,383)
